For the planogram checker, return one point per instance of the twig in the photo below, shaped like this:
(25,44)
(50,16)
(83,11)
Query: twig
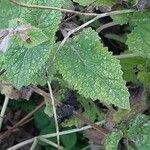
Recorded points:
(124,56)
(17,146)
(34,144)
(55,113)
(51,8)
(48,142)
(6,100)
(107,25)
(78,115)
(5,134)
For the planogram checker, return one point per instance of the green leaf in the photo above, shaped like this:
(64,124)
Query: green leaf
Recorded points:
(133,18)
(128,65)
(95,2)
(112,140)
(139,132)
(92,70)
(40,115)
(139,40)
(48,109)
(36,36)
(69,140)
(22,64)
(8,12)
(46,20)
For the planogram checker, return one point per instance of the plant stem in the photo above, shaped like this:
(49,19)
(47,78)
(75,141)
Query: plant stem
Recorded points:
(34,144)
(21,121)
(124,56)
(107,25)
(48,142)
(55,113)
(83,26)
(17,146)
(3,110)
(51,8)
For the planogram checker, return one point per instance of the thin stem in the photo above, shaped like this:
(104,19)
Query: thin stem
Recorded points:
(55,113)
(124,56)
(34,144)
(107,25)
(17,146)
(51,8)
(21,121)
(48,142)
(3,110)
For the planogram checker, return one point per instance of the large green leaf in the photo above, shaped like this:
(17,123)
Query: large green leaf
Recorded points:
(92,70)
(24,62)
(139,40)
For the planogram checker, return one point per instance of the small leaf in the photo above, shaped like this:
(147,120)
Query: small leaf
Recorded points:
(128,67)
(139,132)
(69,140)
(48,109)
(92,70)
(133,18)
(139,40)
(112,140)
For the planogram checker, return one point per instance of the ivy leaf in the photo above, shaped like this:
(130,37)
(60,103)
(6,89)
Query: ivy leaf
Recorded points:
(92,70)
(112,140)
(139,40)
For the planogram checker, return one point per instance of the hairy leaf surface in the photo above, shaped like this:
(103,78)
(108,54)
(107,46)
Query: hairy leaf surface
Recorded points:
(139,132)
(92,70)
(112,140)
(22,63)
(139,40)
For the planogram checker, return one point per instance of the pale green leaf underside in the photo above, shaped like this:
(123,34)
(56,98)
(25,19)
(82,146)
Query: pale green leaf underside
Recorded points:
(139,40)
(92,70)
